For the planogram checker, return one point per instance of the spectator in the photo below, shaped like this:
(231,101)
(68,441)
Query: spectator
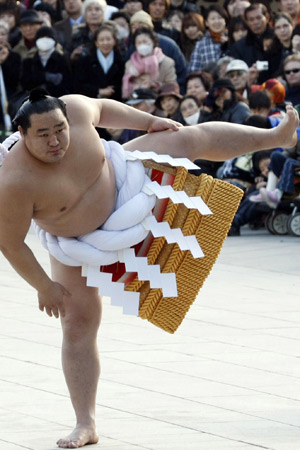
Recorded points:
(103,79)
(274,104)
(148,61)
(199,84)
(193,29)
(281,177)
(46,12)
(48,68)
(291,74)
(292,7)
(248,211)
(281,45)
(175,18)
(65,27)
(168,100)
(158,10)
(237,29)
(185,6)
(236,8)
(10,13)
(225,104)
(168,46)
(93,12)
(133,6)
(251,48)
(209,48)
(190,111)
(122,20)
(55,10)
(238,72)
(30,23)
(10,70)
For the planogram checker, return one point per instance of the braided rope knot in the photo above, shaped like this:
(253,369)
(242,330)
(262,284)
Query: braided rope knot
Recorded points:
(128,225)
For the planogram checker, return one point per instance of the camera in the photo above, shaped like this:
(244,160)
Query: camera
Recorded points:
(262,65)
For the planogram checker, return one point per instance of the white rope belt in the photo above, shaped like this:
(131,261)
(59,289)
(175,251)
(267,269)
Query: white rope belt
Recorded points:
(128,225)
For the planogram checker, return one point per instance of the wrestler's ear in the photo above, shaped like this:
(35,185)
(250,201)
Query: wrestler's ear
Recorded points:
(20,129)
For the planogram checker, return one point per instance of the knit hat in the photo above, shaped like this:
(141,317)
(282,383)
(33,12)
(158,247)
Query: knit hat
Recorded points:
(276,89)
(143,17)
(30,16)
(237,64)
(87,3)
(46,32)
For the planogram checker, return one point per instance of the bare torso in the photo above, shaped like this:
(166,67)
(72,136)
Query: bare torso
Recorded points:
(74,196)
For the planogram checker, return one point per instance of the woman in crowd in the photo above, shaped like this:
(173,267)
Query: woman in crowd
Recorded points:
(168,100)
(193,29)
(10,13)
(93,12)
(148,63)
(175,19)
(237,29)
(199,84)
(103,79)
(47,68)
(281,45)
(211,47)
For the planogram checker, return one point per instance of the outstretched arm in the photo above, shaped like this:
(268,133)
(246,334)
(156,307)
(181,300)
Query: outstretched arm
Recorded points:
(218,141)
(112,114)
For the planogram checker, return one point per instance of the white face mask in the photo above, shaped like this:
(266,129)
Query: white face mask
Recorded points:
(193,119)
(145,49)
(123,33)
(45,44)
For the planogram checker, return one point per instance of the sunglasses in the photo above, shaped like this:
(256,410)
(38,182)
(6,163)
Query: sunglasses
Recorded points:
(288,72)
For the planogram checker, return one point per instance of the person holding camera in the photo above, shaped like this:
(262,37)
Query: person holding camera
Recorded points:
(252,48)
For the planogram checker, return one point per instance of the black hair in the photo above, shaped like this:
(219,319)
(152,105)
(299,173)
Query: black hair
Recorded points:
(38,102)
(260,99)
(187,97)
(150,33)
(257,121)
(122,14)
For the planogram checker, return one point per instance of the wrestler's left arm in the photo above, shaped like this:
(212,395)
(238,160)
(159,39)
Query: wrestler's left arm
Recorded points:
(118,115)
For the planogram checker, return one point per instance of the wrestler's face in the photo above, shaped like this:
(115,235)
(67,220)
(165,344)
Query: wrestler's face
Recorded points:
(48,138)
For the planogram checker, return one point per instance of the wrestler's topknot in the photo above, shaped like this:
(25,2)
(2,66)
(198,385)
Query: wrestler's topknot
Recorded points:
(37,94)
(38,102)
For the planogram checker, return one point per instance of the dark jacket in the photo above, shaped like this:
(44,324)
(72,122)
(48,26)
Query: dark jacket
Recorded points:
(34,74)
(250,49)
(89,76)
(11,73)
(64,32)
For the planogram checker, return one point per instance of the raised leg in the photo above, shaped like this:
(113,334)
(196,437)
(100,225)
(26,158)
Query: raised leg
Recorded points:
(80,358)
(219,141)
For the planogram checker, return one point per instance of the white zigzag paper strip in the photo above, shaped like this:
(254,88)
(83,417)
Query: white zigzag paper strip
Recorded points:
(161,159)
(177,197)
(151,273)
(162,229)
(119,297)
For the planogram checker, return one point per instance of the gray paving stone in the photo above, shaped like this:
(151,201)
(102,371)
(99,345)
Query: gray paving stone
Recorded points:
(228,379)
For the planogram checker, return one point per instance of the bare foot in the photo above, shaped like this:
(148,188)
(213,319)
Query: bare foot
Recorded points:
(79,437)
(287,129)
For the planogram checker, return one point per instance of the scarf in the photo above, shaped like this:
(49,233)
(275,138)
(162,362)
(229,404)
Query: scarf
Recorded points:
(105,61)
(216,37)
(139,65)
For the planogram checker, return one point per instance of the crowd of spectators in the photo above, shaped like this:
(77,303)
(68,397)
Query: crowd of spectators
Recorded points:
(235,61)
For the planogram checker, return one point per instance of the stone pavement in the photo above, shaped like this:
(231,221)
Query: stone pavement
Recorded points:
(228,379)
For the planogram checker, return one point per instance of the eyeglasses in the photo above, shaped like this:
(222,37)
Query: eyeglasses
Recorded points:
(288,72)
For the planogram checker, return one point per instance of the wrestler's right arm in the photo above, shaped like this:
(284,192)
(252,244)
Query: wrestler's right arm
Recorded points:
(16,210)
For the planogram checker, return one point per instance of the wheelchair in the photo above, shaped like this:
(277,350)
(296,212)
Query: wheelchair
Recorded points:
(285,219)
